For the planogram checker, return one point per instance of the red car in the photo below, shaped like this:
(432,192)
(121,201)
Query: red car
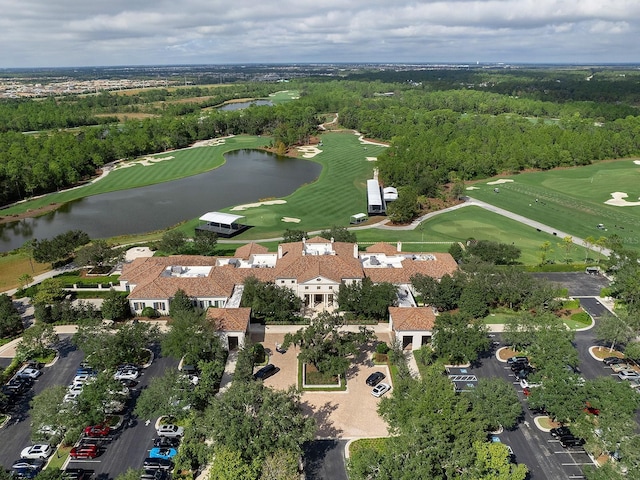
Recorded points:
(96,431)
(591,410)
(84,451)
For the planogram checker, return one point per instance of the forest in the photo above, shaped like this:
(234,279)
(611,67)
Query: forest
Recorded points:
(441,126)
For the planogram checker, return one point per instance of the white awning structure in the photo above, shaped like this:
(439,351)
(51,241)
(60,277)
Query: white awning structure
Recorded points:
(220,218)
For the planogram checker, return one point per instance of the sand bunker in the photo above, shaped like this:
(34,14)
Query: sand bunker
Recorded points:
(372,159)
(145,162)
(212,142)
(369,142)
(309,151)
(500,181)
(618,200)
(472,188)
(637,162)
(257,204)
(290,220)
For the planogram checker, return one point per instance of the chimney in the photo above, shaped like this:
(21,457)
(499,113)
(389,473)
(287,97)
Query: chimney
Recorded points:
(331,239)
(399,247)
(355,250)
(279,251)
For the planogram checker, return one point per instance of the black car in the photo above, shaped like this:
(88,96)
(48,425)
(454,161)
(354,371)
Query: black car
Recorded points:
(519,359)
(570,441)
(76,474)
(524,373)
(157,464)
(166,442)
(128,383)
(265,372)
(613,361)
(374,379)
(560,432)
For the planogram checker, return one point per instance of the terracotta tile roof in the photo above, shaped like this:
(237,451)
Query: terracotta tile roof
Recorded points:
(412,318)
(382,247)
(318,239)
(442,264)
(229,319)
(249,249)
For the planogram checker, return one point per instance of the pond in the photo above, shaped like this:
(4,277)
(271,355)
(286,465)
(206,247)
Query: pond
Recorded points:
(246,177)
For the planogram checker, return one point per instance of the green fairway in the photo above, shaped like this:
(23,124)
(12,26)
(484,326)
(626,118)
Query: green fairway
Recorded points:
(475,222)
(339,192)
(284,96)
(572,199)
(186,162)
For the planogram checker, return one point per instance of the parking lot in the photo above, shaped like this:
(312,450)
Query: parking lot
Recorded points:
(126,448)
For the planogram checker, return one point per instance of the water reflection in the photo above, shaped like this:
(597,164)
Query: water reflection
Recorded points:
(247,176)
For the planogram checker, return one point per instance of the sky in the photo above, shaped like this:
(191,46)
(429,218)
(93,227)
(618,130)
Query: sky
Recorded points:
(66,33)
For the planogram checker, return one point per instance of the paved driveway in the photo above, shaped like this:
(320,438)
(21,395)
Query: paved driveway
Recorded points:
(346,414)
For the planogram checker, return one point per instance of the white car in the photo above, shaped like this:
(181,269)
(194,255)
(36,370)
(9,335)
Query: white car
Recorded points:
(75,388)
(84,378)
(70,397)
(30,373)
(525,384)
(380,389)
(127,374)
(628,375)
(170,431)
(41,450)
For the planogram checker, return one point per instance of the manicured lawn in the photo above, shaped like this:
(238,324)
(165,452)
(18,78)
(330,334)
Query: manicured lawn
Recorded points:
(339,192)
(475,222)
(572,199)
(186,162)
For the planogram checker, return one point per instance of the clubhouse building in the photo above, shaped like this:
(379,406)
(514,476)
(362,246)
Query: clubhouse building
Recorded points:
(313,269)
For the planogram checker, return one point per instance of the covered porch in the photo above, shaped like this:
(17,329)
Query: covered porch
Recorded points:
(224,224)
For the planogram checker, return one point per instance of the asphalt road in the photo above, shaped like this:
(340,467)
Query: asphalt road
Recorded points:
(579,284)
(593,307)
(324,460)
(17,434)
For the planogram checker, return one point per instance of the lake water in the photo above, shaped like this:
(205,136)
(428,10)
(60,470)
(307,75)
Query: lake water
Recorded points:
(246,177)
(241,105)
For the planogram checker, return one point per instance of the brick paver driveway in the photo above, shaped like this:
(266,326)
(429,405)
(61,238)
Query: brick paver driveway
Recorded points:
(348,414)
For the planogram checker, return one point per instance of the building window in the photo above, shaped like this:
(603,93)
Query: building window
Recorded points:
(138,305)
(292,282)
(158,305)
(306,288)
(318,287)
(330,287)
(281,282)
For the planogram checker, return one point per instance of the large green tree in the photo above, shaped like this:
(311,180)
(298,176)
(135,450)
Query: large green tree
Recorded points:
(496,402)
(270,302)
(458,339)
(258,421)
(10,320)
(327,347)
(367,300)
(115,306)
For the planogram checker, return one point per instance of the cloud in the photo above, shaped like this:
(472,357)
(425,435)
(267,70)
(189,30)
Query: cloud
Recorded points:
(79,32)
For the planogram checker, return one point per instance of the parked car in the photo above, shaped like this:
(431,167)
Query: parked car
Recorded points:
(157,464)
(128,383)
(591,409)
(517,359)
(154,475)
(83,378)
(265,372)
(163,452)
(24,473)
(380,389)
(526,384)
(561,431)
(70,397)
(29,373)
(168,430)
(86,371)
(570,441)
(374,379)
(127,374)
(40,450)
(628,375)
(87,450)
(76,474)
(97,431)
(164,442)
(524,373)
(613,360)
(29,463)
